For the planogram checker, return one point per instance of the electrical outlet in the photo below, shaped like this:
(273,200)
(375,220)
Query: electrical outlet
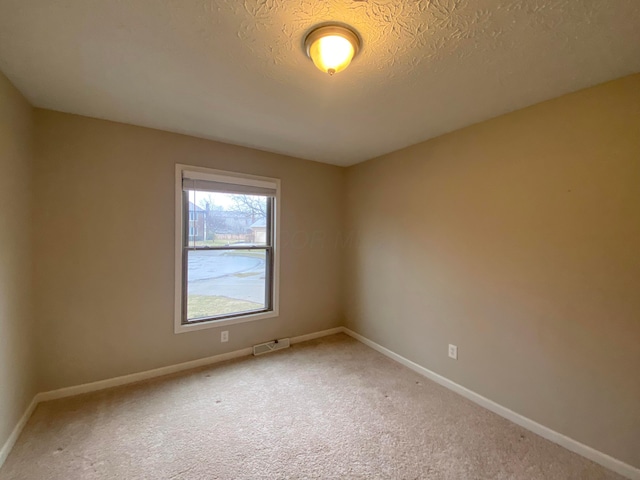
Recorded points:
(453,351)
(224,336)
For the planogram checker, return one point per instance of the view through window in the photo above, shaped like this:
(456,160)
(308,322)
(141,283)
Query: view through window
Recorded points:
(228,250)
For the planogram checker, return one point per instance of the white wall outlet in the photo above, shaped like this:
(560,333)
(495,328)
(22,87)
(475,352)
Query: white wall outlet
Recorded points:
(453,351)
(224,336)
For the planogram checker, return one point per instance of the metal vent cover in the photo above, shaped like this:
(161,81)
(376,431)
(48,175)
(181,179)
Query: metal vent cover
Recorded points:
(271,346)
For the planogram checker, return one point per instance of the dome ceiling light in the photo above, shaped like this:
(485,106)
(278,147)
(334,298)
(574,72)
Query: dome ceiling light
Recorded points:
(332,47)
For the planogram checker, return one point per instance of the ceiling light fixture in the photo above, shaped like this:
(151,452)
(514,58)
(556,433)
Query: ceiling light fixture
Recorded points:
(332,47)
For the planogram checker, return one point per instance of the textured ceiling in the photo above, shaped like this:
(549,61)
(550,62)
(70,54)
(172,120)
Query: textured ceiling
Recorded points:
(234,70)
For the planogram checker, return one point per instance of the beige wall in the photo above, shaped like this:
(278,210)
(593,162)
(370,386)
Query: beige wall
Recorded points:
(517,239)
(17,368)
(104,277)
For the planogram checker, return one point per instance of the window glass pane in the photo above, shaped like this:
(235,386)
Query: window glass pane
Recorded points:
(223,282)
(220,219)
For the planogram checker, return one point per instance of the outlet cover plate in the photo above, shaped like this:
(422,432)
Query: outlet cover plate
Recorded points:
(453,351)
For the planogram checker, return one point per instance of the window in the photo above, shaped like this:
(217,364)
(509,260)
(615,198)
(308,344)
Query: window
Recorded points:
(226,248)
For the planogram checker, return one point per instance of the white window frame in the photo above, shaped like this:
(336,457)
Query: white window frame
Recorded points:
(239,179)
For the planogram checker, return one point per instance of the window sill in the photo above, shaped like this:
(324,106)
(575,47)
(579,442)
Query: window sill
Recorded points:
(192,327)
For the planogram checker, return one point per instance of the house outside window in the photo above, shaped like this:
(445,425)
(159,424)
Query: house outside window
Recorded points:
(197,218)
(226,248)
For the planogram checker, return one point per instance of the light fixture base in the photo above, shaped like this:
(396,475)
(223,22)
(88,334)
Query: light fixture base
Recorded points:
(332,29)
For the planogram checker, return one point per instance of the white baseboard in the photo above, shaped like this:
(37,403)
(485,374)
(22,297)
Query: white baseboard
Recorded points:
(312,336)
(603,459)
(132,378)
(17,430)
(159,372)
(137,377)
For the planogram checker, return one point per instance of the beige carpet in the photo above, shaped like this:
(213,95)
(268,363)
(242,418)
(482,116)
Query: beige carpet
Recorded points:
(330,408)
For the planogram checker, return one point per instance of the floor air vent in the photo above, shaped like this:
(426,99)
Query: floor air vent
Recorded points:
(271,346)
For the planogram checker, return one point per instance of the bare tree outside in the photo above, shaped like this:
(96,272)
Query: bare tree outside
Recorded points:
(228,217)
(250,205)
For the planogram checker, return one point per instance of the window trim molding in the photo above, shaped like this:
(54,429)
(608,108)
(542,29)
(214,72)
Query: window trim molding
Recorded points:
(242,179)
